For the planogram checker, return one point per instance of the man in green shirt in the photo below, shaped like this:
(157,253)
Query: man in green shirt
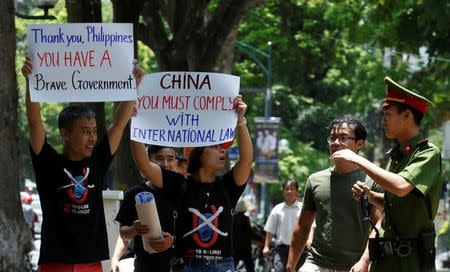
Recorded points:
(412,184)
(341,233)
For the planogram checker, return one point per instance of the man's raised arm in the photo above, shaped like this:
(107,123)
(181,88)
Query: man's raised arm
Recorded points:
(299,238)
(123,114)
(33,112)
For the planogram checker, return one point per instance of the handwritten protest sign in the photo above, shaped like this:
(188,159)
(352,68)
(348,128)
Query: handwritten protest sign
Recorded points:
(182,109)
(87,62)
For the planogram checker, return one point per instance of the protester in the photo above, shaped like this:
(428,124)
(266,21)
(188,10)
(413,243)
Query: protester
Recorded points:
(70,184)
(204,223)
(412,184)
(132,228)
(280,225)
(341,234)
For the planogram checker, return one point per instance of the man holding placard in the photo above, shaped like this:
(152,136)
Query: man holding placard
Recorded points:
(74,236)
(132,228)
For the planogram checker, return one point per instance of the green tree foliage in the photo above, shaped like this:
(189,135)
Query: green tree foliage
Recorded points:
(330,58)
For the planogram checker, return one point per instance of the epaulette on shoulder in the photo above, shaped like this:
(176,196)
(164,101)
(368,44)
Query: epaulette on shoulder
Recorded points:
(423,143)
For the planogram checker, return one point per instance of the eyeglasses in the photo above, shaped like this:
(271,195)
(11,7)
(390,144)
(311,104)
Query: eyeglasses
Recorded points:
(340,138)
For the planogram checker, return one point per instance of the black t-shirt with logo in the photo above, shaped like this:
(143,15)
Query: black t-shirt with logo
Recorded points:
(204,224)
(128,214)
(73,227)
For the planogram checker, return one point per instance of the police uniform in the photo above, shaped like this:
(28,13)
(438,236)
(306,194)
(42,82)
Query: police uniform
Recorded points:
(408,222)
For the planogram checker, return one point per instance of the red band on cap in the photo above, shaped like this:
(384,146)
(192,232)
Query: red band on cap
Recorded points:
(403,98)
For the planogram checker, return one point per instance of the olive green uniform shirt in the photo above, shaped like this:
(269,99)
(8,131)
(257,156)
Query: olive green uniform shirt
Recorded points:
(406,217)
(341,234)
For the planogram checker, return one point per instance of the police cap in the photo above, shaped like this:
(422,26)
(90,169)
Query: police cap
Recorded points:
(397,93)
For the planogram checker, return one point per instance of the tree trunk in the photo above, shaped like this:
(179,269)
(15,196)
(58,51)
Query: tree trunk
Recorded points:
(88,11)
(84,11)
(195,34)
(15,239)
(226,58)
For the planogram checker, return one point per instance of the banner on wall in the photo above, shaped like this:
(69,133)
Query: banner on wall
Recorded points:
(266,149)
(186,109)
(81,62)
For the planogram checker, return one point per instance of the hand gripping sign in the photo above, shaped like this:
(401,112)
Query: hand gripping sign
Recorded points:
(148,215)
(186,109)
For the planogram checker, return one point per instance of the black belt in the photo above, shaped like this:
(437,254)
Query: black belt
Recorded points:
(282,246)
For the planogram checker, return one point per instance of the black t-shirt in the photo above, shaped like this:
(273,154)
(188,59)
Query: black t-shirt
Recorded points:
(128,214)
(204,224)
(73,227)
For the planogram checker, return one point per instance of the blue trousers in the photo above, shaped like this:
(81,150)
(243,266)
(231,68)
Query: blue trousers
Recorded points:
(194,265)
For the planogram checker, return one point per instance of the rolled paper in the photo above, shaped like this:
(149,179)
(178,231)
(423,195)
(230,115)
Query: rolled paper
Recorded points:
(148,215)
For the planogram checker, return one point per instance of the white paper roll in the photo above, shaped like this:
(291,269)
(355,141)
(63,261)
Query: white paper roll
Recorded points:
(148,215)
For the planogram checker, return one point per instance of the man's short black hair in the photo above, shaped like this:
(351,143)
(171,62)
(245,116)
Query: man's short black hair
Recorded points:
(357,125)
(418,115)
(153,149)
(71,113)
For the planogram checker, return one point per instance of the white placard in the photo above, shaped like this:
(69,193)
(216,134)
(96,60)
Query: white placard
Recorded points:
(186,109)
(81,62)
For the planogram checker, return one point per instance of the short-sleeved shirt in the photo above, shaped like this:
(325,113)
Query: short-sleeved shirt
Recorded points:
(204,223)
(408,216)
(281,221)
(73,227)
(127,215)
(341,234)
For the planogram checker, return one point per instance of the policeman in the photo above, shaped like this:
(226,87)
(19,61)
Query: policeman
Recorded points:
(412,186)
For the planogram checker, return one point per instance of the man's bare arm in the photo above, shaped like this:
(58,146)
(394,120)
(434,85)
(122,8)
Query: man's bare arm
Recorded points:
(300,238)
(123,115)
(33,113)
(391,182)
(149,170)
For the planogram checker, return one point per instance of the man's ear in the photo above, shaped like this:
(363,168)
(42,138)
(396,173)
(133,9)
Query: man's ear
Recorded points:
(64,132)
(408,114)
(360,144)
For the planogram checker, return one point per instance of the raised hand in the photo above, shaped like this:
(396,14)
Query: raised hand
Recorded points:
(240,107)
(27,67)
(138,73)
